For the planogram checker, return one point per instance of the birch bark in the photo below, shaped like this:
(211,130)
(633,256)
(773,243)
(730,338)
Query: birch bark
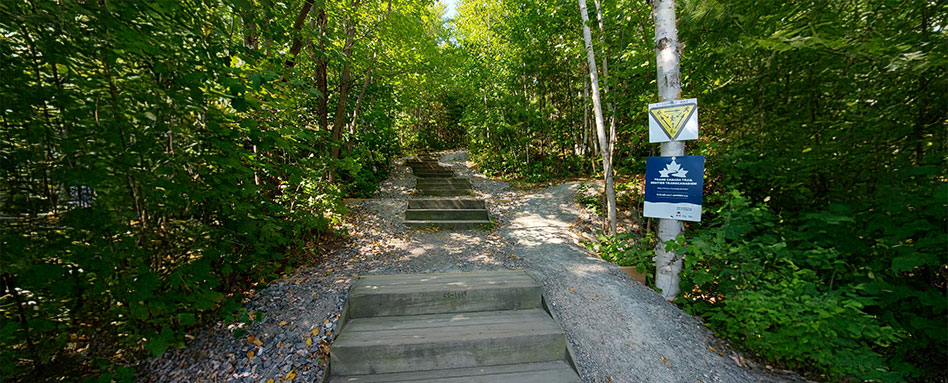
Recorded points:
(600,125)
(605,79)
(667,53)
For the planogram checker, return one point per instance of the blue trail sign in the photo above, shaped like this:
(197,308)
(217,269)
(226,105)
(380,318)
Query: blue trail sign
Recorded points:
(673,187)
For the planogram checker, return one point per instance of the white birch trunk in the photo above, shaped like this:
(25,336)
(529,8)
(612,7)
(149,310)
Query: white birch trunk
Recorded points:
(667,263)
(600,125)
(585,116)
(605,79)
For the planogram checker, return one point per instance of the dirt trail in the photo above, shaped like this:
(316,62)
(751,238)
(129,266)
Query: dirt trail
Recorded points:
(619,330)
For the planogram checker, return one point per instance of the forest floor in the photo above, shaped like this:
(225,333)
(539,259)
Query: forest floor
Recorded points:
(618,329)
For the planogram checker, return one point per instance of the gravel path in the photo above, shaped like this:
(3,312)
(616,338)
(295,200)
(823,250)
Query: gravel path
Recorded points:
(619,330)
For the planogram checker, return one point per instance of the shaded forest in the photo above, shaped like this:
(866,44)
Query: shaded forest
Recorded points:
(159,158)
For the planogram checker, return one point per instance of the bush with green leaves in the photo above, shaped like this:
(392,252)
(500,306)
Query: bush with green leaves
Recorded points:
(627,249)
(790,293)
(159,159)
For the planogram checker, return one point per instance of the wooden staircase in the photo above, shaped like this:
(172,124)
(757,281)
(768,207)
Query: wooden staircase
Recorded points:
(451,327)
(434,180)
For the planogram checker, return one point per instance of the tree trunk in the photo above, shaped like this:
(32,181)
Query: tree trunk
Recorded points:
(358,106)
(605,80)
(322,72)
(667,263)
(251,39)
(585,116)
(297,26)
(344,85)
(600,126)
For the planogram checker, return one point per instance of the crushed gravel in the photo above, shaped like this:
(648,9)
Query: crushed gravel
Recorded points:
(619,330)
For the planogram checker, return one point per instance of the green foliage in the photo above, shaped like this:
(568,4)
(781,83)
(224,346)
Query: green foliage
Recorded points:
(158,159)
(829,116)
(792,294)
(627,249)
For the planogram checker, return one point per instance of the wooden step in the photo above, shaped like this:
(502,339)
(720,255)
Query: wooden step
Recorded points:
(540,372)
(446,341)
(433,173)
(446,204)
(445,192)
(448,225)
(450,181)
(416,294)
(447,214)
(422,160)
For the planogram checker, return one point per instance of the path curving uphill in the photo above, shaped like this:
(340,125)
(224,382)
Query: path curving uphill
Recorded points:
(618,330)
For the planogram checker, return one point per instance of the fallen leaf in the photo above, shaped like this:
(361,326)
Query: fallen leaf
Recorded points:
(713,349)
(250,354)
(315,332)
(665,360)
(309,341)
(269,380)
(290,375)
(572,289)
(283,323)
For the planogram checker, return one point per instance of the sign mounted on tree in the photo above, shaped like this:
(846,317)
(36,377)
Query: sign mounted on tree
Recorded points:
(675,120)
(673,187)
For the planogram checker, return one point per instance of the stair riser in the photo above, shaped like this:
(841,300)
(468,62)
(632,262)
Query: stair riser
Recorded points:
(445,192)
(434,170)
(443,187)
(448,215)
(543,372)
(456,353)
(448,225)
(438,302)
(434,173)
(441,182)
(446,204)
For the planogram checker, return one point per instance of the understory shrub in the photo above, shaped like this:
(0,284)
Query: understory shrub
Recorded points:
(779,288)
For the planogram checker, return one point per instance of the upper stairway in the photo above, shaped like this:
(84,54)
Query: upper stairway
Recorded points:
(435,180)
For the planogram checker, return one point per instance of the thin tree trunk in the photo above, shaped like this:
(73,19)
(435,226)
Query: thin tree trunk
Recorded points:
(319,56)
(297,25)
(600,125)
(344,86)
(322,71)
(571,117)
(251,39)
(585,116)
(605,80)
(358,106)
(667,263)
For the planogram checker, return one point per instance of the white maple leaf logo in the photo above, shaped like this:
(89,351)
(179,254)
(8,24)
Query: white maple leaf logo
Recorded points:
(673,169)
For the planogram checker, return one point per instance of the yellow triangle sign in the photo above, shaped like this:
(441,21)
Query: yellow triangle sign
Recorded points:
(673,118)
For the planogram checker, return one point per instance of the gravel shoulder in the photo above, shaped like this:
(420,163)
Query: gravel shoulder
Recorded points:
(619,330)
